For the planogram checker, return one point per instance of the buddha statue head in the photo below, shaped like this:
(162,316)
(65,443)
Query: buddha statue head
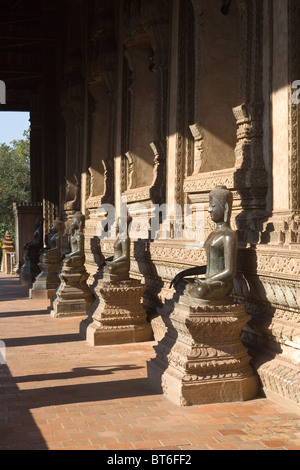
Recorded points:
(122,225)
(78,222)
(57,226)
(220,204)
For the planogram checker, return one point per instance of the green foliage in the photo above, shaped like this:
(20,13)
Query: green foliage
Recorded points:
(14,180)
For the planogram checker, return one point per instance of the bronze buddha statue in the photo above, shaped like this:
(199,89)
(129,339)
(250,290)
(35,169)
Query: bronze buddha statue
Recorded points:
(77,255)
(53,251)
(221,253)
(118,267)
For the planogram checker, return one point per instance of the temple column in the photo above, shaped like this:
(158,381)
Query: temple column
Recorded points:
(174,164)
(72,101)
(101,171)
(72,112)
(36,162)
(102,92)
(270,268)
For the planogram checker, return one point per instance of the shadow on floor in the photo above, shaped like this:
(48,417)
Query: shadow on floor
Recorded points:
(11,289)
(81,393)
(24,313)
(76,372)
(47,339)
(14,419)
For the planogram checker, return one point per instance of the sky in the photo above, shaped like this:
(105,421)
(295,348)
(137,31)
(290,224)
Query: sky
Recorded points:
(12,125)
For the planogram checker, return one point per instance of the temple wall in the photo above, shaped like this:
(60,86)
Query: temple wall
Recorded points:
(181,99)
(272,294)
(280,107)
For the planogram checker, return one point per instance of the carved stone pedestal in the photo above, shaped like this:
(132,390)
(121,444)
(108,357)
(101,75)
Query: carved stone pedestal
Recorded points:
(118,315)
(201,359)
(47,281)
(73,296)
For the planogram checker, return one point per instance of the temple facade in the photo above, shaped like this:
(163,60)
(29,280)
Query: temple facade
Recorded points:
(152,104)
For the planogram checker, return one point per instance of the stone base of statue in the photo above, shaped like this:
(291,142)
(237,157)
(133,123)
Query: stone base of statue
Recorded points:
(47,281)
(201,359)
(117,316)
(41,294)
(73,296)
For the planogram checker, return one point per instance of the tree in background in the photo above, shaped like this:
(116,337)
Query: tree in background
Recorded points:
(14,180)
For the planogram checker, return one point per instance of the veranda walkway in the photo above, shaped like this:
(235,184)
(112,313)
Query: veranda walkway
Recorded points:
(57,392)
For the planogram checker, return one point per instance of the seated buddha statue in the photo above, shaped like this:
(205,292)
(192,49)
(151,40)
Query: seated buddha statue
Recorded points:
(118,267)
(52,252)
(221,252)
(76,257)
(33,248)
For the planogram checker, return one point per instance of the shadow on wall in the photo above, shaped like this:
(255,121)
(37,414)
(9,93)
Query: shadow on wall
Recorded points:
(99,260)
(257,335)
(160,363)
(153,282)
(248,288)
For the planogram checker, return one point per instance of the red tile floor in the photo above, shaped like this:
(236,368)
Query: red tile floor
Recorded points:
(57,392)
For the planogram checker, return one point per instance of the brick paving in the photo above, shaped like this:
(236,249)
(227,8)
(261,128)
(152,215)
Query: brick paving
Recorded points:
(57,392)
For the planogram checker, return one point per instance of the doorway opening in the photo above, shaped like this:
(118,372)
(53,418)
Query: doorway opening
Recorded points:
(15,184)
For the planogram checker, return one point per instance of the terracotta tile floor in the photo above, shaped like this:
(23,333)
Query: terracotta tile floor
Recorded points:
(57,392)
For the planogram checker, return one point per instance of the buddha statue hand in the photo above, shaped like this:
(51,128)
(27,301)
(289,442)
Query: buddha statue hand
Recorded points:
(178,278)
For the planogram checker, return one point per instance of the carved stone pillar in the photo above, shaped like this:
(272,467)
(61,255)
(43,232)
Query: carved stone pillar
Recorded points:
(251,176)
(102,87)
(72,101)
(72,111)
(72,107)
(36,169)
(294,109)
(156,18)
